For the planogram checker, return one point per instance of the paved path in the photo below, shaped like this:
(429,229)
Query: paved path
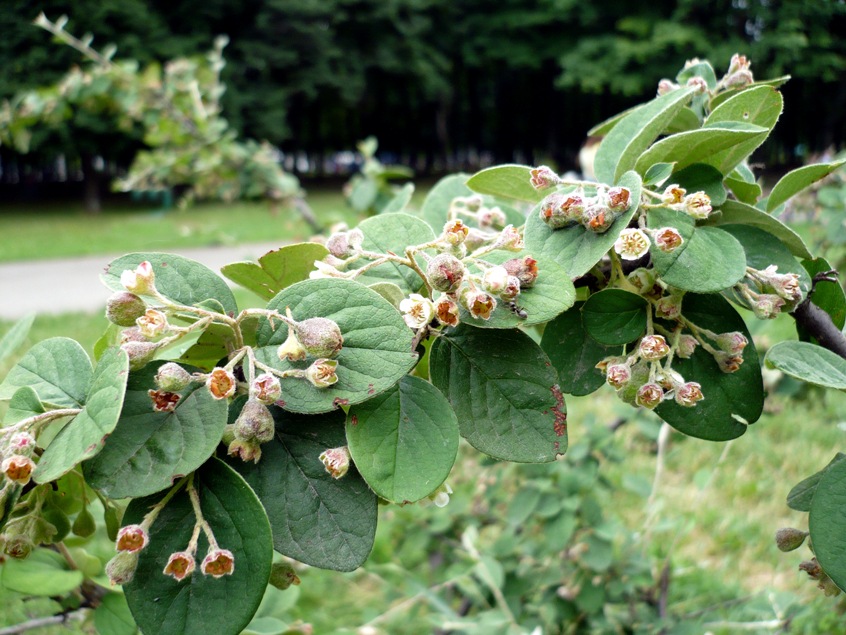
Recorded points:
(73,284)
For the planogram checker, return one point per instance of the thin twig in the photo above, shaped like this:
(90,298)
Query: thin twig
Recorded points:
(40,622)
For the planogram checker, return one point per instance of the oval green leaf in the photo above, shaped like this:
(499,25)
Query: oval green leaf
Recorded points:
(377,342)
(15,337)
(702,177)
(200,604)
(149,450)
(436,204)
(181,279)
(315,518)
(86,434)
(276,269)
(58,369)
(113,616)
(614,316)
(735,212)
(44,573)
(808,362)
(507,181)
(797,180)
(827,296)
(504,391)
(826,521)
(23,404)
(800,496)
(404,441)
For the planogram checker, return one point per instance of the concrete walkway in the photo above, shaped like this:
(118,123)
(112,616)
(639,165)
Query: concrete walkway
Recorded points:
(73,284)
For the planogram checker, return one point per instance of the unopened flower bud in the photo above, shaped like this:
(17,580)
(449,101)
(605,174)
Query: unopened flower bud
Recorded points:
(18,468)
(488,217)
(18,546)
(650,395)
(686,347)
(455,232)
(218,563)
(180,565)
(666,86)
(417,311)
(495,279)
(510,239)
(255,423)
(245,450)
(344,244)
(524,269)
(733,342)
(152,324)
(698,205)
(121,568)
(543,177)
(667,239)
(445,273)
(786,285)
(22,443)
(767,306)
(336,461)
(139,353)
(688,394)
(618,375)
(291,350)
(172,377)
(562,210)
(740,78)
(141,281)
(699,84)
(164,401)
(653,347)
(283,575)
(668,307)
(789,538)
(479,303)
(728,362)
(642,279)
(618,199)
(266,388)
(322,373)
(446,310)
(321,337)
(440,497)
(738,63)
(598,219)
(632,244)
(221,383)
(123,308)
(131,538)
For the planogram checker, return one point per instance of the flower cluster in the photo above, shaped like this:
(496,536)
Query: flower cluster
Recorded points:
(595,213)
(769,292)
(696,205)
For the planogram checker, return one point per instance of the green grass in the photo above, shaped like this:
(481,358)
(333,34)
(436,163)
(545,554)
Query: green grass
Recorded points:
(61,230)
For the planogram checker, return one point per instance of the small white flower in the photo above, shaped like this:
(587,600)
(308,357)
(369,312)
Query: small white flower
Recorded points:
(632,244)
(152,324)
(141,281)
(495,279)
(417,311)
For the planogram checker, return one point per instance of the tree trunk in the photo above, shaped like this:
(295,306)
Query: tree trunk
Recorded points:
(91,184)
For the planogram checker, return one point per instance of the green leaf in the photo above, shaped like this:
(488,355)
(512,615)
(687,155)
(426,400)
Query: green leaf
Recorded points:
(377,342)
(200,604)
(732,400)
(797,180)
(829,297)
(800,496)
(276,269)
(627,140)
(44,573)
(709,260)
(391,292)
(15,337)
(742,182)
(574,354)
(695,146)
(400,200)
(685,119)
(741,213)
(700,177)
(404,441)
(826,520)
(614,316)
(575,248)
(178,278)
(437,202)
(507,181)
(316,519)
(393,233)
(504,391)
(776,82)
(657,174)
(86,434)
(763,249)
(213,345)
(23,404)
(760,106)
(552,293)
(113,617)
(58,369)
(808,362)
(149,450)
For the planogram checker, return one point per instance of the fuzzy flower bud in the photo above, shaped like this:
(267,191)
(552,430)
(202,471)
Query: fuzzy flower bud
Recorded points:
(618,199)
(598,219)
(479,303)
(18,468)
(524,269)
(562,210)
(733,342)
(417,311)
(618,375)
(22,443)
(121,568)
(344,244)
(446,310)
(738,73)
(489,217)
(649,395)
(336,461)
(283,575)
(668,307)
(653,347)
(445,273)
(152,324)
(455,232)
(699,84)
(141,281)
(698,205)
(132,538)
(687,346)
(688,394)
(164,401)
(180,565)
(322,373)
(266,388)
(667,239)
(255,423)
(666,86)
(172,377)
(495,279)
(218,563)
(632,244)
(767,306)
(321,337)
(221,383)
(123,308)
(789,538)
(786,285)
(543,177)
(510,239)
(139,353)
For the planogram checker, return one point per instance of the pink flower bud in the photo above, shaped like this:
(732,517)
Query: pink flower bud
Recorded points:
(172,377)
(18,468)
(445,273)
(524,269)
(336,461)
(618,375)
(738,63)
(417,311)
(141,281)
(666,86)
(543,177)
(455,232)
(618,199)
(123,308)
(688,394)
(321,337)
(491,217)
(218,563)
(446,310)
(322,373)
(733,342)
(266,388)
(221,383)
(121,568)
(180,565)
(698,205)
(632,244)
(495,279)
(649,395)
(667,239)
(152,324)
(22,443)
(653,347)
(480,304)
(164,401)
(699,85)
(687,346)
(132,538)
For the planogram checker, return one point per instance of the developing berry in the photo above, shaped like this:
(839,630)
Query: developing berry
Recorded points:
(172,377)
(218,563)
(445,273)
(139,353)
(767,306)
(598,219)
(283,575)
(562,210)
(121,568)
(123,308)
(180,565)
(733,342)
(245,450)
(321,337)
(524,269)
(255,423)
(789,538)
